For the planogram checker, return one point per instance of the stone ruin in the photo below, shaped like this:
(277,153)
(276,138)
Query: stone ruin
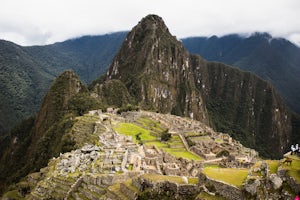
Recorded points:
(117,155)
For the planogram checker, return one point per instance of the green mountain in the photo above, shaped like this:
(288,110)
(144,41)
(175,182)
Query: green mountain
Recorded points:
(23,83)
(27,72)
(32,143)
(273,59)
(162,76)
(87,56)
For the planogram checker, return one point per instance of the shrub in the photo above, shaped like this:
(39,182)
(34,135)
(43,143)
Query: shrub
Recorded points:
(165,136)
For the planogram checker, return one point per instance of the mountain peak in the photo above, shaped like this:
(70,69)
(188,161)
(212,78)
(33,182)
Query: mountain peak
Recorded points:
(156,69)
(56,100)
(152,23)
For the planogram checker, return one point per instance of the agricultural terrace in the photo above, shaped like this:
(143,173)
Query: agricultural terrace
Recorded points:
(149,134)
(233,176)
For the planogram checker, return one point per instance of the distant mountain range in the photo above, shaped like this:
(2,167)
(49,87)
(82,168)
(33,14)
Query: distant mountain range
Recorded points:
(26,73)
(274,59)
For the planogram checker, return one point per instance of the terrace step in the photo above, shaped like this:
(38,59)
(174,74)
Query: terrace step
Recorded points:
(94,188)
(115,193)
(130,191)
(88,194)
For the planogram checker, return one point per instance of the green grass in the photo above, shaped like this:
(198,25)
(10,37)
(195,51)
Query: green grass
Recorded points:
(158,144)
(12,195)
(176,179)
(150,124)
(205,196)
(293,169)
(273,165)
(182,153)
(191,134)
(201,138)
(194,181)
(219,140)
(157,177)
(232,176)
(128,183)
(149,140)
(132,130)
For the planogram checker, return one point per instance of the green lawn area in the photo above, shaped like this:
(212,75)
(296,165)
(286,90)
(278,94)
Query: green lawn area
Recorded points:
(201,138)
(153,126)
(191,134)
(273,165)
(176,179)
(205,196)
(294,168)
(232,176)
(182,152)
(132,130)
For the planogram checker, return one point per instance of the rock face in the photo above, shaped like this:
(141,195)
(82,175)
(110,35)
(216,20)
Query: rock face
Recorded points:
(274,59)
(161,75)
(156,69)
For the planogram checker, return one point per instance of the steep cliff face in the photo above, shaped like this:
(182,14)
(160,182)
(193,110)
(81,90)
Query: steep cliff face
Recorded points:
(161,75)
(245,106)
(56,100)
(156,69)
(274,59)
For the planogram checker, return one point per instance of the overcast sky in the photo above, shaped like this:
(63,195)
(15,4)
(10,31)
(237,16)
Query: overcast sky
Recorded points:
(31,22)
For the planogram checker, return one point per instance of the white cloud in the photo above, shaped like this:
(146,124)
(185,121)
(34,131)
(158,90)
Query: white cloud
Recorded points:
(47,21)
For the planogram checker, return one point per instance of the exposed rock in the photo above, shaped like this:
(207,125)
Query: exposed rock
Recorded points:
(276,181)
(251,186)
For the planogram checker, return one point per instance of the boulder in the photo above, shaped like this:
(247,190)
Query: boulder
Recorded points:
(276,181)
(251,186)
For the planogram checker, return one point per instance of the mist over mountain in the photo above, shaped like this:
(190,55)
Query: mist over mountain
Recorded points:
(274,59)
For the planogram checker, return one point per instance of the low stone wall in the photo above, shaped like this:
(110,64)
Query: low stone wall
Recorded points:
(112,195)
(178,191)
(224,189)
(130,194)
(282,173)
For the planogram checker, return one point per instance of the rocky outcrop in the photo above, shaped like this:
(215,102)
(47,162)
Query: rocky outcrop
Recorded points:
(165,188)
(224,189)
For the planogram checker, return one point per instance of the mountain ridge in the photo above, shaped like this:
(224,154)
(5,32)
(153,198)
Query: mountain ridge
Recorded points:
(51,60)
(161,75)
(274,59)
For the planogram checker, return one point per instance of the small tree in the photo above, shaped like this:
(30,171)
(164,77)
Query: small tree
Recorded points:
(138,137)
(165,135)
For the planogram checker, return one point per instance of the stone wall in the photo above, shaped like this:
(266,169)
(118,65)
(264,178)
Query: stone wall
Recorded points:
(129,193)
(177,191)
(290,180)
(226,190)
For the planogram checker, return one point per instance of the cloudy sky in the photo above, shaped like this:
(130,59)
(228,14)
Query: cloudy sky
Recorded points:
(32,22)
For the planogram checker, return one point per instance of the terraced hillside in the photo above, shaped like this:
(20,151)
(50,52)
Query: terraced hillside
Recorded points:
(122,156)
